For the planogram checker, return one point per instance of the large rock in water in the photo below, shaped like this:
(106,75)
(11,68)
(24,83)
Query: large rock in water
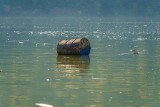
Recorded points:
(79,46)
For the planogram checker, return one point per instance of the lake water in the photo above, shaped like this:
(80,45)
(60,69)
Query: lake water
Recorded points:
(122,70)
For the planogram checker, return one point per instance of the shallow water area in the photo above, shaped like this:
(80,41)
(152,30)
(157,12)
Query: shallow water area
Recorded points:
(122,69)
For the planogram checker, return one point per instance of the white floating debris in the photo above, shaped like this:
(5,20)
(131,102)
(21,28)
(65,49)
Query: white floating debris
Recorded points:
(20,42)
(48,79)
(43,105)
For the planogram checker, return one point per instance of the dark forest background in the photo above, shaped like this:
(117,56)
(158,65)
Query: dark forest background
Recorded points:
(71,8)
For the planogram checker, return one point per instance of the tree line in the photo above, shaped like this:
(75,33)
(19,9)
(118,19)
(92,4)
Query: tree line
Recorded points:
(100,8)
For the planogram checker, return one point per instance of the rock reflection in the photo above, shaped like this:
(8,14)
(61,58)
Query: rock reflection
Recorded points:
(73,63)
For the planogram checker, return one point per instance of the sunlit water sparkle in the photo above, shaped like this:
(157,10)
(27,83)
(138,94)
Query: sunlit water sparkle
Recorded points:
(122,69)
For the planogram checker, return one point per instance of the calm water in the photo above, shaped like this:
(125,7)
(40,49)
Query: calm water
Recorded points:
(31,73)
